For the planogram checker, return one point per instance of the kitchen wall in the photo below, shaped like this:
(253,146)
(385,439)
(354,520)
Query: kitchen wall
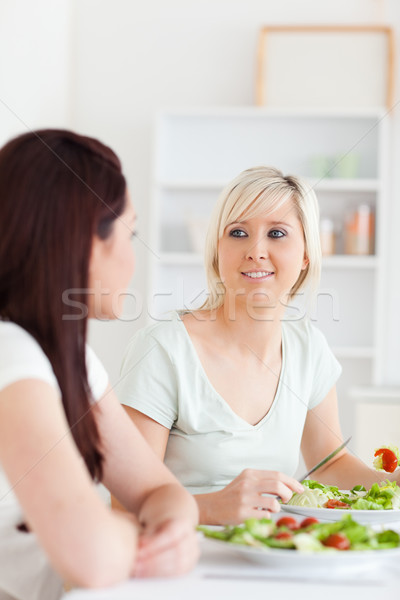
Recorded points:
(105,68)
(35,51)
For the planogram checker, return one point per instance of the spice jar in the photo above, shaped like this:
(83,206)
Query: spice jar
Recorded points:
(360,231)
(327,237)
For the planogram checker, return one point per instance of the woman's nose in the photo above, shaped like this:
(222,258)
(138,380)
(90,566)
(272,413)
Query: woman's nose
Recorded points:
(258,249)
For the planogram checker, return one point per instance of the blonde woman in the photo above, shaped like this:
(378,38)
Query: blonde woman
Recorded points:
(231,393)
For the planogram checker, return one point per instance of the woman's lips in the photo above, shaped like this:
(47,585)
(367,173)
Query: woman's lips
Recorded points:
(257,275)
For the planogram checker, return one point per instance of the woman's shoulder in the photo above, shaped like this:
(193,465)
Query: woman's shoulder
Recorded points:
(200,323)
(171,324)
(166,331)
(14,337)
(303,332)
(21,356)
(171,337)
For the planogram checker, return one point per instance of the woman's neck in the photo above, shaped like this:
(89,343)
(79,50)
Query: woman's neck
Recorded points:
(258,330)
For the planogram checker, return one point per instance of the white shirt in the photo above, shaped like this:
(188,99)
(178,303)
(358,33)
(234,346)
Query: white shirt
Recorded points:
(25,572)
(209,444)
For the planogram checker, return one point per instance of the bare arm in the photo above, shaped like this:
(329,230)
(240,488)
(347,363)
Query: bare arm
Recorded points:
(140,481)
(239,500)
(153,493)
(89,546)
(321,435)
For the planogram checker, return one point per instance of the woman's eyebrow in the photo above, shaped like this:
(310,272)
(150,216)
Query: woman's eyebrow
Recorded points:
(270,223)
(283,223)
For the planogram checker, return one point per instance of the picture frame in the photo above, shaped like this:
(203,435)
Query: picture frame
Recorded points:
(325,66)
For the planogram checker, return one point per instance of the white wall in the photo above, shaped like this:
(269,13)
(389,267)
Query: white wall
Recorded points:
(133,58)
(34,65)
(105,68)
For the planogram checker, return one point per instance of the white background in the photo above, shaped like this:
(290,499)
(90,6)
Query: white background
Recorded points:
(105,68)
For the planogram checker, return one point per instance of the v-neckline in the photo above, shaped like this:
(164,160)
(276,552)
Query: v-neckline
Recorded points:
(221,399)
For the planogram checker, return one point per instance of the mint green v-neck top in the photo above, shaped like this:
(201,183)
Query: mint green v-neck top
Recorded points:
(209,444)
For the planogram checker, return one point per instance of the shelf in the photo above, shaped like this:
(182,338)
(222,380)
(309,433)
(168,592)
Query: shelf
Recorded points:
(181,258)
(320,185)
(373,394)
(343,261)
(223,112)
(354,352)
(200,150)
(328,262)
(188,184)
(332,184)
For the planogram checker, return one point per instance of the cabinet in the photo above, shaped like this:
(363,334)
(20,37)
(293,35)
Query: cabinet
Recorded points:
(343,154)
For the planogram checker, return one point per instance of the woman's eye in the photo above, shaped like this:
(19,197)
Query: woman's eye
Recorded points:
(276,233)
(237,233)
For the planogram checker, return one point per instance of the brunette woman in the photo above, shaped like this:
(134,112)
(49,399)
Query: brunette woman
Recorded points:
(66,254)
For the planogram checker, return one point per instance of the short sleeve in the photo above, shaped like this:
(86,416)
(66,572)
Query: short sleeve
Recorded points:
(21,357)
(97,375)
(326,369)
(148,380)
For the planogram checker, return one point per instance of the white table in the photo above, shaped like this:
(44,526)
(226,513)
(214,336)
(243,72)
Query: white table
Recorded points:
(222,574)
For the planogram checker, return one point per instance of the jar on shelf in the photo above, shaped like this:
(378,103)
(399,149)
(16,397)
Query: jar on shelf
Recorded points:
(347,165)
(327,237)
(359,231)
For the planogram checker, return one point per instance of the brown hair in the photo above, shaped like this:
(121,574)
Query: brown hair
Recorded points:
(57,190)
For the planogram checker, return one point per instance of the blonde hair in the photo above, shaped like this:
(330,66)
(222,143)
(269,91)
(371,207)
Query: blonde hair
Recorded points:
(256,191)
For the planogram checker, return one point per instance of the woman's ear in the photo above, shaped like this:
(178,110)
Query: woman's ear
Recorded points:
(306,262)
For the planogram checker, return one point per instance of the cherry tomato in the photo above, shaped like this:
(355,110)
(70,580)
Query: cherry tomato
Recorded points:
(283,535)
(289,522)
(338,541)
(389,459)
(308,521)
(335,504)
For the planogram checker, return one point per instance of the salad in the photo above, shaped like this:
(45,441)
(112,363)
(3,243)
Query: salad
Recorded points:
(381,496)
(386,458)
(307,536)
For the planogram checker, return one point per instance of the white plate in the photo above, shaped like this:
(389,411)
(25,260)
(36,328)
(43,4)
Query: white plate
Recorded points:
(291,559)
(335,514)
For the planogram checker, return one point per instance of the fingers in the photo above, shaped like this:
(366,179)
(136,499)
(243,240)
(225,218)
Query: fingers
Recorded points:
(269,477)
(254,493)
(274,482)
(172,550)
(277,488)
(269,482)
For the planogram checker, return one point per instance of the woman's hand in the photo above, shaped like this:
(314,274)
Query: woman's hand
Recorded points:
(171,549)
(243,498)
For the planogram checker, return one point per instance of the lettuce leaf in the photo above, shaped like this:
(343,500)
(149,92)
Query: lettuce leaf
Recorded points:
(262,534)
(381,496)
(314,498)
